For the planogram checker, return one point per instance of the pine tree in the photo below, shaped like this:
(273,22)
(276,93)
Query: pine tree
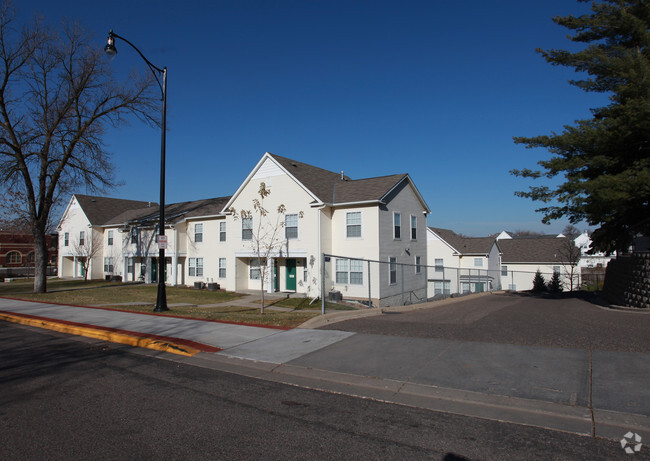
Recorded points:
(605,160)
(539,284)
(555,284)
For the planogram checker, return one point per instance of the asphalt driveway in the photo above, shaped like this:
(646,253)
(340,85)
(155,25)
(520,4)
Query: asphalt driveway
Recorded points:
(572,321)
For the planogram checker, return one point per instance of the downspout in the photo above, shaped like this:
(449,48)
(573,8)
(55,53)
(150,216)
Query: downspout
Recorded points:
(322,262)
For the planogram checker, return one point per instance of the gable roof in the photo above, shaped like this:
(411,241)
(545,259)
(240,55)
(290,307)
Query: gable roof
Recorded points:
(544,249)
(336,189)
(174,212)
(100,210)
(465,245)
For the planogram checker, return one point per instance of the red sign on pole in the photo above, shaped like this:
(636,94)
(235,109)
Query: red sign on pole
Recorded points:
(162,242)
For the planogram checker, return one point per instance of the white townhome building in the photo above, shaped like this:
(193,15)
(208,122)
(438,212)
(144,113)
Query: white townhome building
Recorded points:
(367,228)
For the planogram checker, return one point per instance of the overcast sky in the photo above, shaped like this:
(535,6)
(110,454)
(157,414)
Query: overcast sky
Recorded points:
(436,89)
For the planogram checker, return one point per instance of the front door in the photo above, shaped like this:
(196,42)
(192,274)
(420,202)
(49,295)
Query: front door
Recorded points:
(291,274)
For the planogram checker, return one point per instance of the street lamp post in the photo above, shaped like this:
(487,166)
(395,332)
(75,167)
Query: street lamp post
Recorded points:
(109,49)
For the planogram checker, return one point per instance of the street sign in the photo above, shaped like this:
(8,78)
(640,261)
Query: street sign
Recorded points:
(162,242)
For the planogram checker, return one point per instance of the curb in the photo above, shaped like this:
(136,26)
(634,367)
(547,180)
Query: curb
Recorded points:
(113,335)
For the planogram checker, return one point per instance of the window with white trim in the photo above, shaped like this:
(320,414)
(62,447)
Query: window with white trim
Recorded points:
(442,287)
(556,270)
(109,238)
(504,270)
(222,268)
(198,233)
(66,239)
(418,266)
(353,224)
(195,267)
(349,271)
(222,231)
(397,226)
(134,235)
(247,228)
(255,269)
(439,265)
(291,226)
(82,238)
(109,264)
(129,265)
(478,262)
(392,266)
(414,227)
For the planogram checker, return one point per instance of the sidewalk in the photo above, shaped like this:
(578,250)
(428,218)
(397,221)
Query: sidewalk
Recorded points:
(599,393)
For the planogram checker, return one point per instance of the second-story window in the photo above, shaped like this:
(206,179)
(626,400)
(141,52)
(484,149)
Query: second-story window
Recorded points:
(291,226)
(110,237)
(478,262)
(247,228)
(222,231)
(82,238)
(414,227)
(439,264)
(134,235)
(198,233)
(353,224)
(397,226)
(66,239)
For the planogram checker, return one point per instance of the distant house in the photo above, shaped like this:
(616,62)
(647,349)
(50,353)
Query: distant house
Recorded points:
(598,259)
(460,264)
(523,256)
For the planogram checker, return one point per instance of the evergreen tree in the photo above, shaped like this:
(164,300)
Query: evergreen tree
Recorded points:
(555,284)
(539,284)
(605,160)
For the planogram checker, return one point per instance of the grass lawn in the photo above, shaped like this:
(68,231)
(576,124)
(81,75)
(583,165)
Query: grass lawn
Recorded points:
(142,298)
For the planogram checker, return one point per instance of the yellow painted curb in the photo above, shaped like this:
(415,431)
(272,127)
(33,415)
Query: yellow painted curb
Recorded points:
(104,335)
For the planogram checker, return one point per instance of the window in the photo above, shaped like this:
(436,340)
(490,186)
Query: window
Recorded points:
(442,287)
(478,262)
(222,268)
(110,237)
(418,267)
(397,226)
(291,226)
(392,277)
(342,271)
(439,265)
(414,227)
(504,270)
(134,235)
(108,265)
(247,228)
(82,238)
(556,270)
(198,233)
(353,224)
(222,231)
(255,269)
(31,258)
(129,265)
(196,267)
(13,257)
(66,239)
(349,271)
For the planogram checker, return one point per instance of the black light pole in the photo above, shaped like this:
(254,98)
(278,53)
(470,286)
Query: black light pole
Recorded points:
(109,49)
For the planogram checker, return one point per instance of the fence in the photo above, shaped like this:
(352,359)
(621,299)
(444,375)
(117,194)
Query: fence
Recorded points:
(394,282)
(11,272)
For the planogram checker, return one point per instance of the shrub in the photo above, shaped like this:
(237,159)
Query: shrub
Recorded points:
(539,284)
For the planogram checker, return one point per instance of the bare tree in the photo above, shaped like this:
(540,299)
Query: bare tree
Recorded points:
(57,98)
(570,254)
(85,248)
(267,238)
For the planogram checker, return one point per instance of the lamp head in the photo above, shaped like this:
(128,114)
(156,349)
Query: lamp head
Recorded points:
(110,49)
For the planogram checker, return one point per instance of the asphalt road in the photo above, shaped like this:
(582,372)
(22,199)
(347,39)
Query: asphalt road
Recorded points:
(568,321)
(71,398)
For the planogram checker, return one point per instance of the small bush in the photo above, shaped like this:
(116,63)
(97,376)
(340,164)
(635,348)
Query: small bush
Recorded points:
(539,284)
(555,284)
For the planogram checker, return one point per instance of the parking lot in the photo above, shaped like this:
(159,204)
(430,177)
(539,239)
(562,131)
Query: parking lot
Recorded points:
(570,320)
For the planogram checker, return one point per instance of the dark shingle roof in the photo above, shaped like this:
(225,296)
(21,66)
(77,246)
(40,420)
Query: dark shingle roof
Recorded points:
(534,250)
(174,212)
(465,245)
(329,187)
(100,210)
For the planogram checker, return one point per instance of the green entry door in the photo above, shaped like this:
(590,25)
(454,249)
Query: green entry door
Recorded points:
(291,274)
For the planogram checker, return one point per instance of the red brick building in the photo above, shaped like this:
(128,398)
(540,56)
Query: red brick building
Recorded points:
(17,249)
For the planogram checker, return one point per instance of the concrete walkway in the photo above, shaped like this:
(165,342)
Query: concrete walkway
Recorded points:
(597,393)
